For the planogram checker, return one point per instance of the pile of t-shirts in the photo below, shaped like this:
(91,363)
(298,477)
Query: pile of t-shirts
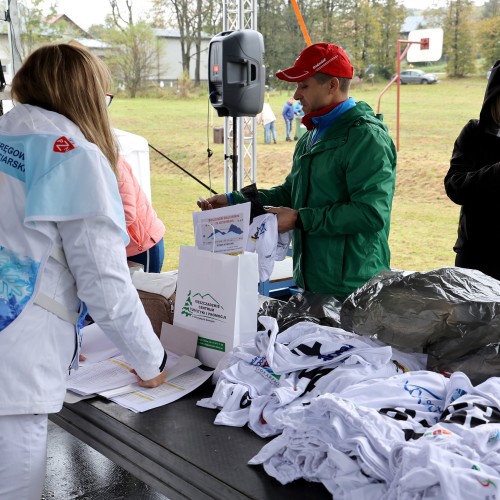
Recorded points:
(276,371)
(371,442)
(359,416)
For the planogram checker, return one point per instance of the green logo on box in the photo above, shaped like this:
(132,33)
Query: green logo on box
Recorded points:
(211,344)
(203,307)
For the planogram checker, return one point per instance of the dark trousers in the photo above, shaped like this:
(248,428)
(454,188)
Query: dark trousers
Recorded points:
(151,259)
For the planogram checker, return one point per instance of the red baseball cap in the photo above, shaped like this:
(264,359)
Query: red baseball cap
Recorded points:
(318,58)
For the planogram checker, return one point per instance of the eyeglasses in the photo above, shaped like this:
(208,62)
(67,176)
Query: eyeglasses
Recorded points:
(109,99)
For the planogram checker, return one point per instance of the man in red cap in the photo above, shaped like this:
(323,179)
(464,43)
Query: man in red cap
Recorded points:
(338,195)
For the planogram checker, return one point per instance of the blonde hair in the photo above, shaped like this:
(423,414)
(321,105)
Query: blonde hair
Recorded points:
(73,82)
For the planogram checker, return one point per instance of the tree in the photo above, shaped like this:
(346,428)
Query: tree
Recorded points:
(192,17)
(283,39)
(458,41)
(135,50)
(35,26)
(491,8)
(365,35)
(366,29)
(197,42)
(434,17)
(328,14)
(488,33)
(391,17)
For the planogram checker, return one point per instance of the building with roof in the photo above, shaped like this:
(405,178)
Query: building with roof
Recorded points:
(169,67)
(412,23)
(98,47)
(169,60)
(67,26)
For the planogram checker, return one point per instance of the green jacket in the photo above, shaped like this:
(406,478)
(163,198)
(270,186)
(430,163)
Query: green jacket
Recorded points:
(343,188)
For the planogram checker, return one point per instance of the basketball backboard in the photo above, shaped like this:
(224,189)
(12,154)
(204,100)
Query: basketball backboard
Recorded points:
(430,47)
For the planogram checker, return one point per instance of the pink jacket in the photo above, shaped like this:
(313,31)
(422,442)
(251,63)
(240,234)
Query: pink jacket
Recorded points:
(143,225)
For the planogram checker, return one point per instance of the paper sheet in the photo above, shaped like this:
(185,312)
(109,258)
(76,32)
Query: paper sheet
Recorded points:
(96,346)
(110,377)
(183,365)
(114,373)
(168,392)
(91,378)
(222,230)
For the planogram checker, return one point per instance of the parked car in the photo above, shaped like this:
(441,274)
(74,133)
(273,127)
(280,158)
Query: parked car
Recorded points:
(488,73)
(417,76)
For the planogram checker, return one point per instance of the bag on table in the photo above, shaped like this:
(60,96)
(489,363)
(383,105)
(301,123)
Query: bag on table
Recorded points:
(217,297)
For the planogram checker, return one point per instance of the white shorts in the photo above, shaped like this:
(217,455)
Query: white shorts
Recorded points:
(23,456)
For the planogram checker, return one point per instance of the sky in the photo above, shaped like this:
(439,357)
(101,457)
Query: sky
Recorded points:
(88,12)
(425,4)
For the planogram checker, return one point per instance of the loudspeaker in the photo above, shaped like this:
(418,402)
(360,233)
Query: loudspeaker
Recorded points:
(236,75)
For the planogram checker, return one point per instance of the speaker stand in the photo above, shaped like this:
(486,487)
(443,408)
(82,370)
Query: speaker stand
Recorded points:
(234,157)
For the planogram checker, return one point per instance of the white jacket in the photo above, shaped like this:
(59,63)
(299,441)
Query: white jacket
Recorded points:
(58,191)
(266,115)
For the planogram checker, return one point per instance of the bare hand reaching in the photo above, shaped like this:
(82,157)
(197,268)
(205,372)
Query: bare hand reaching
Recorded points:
(217,201)
(286,217)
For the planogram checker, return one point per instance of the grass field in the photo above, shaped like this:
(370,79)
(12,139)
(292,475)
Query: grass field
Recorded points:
(424,220)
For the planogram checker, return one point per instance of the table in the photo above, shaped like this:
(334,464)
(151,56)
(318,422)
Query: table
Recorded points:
(280,280)
(178,450)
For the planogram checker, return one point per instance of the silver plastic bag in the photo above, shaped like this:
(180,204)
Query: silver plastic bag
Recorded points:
(449,313)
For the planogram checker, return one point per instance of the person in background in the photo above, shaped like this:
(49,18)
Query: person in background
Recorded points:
(268,119)
(288,115)
(473,182)
(299,113)
(61,246)
(337,198)
(145,229)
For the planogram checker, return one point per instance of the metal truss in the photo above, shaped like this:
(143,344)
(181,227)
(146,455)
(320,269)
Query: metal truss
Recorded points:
(240,14)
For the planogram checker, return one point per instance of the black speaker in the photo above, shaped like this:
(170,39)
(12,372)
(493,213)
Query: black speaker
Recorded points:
(236,75)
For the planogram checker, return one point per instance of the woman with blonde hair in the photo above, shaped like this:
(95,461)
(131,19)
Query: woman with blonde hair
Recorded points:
(62,251)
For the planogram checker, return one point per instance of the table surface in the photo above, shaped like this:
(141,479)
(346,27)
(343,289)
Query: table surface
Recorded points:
(178,450)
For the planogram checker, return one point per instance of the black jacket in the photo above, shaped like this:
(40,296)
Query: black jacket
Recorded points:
(473,181)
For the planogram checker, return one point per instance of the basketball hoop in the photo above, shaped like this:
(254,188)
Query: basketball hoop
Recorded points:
(427,45)
(421,46)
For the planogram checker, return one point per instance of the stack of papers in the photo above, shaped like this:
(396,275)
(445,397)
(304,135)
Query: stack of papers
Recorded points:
(107,374)
(145,399)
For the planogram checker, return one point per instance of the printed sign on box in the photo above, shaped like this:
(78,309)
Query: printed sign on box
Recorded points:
(217,297)
(222,230)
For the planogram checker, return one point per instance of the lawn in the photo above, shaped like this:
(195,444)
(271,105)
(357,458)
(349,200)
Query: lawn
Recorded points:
(424,220)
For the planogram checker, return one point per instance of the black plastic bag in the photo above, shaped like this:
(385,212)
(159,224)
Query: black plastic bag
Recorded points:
(448,313)
(318,308)
(252,195)
(479,365)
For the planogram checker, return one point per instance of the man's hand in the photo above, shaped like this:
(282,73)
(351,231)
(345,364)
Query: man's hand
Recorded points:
(217,201)
(286,217)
